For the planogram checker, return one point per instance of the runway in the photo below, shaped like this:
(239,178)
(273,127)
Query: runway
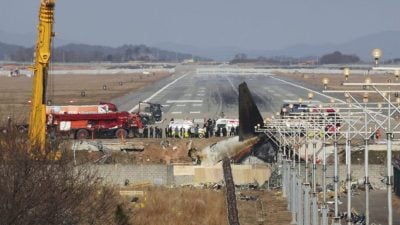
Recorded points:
(196,97)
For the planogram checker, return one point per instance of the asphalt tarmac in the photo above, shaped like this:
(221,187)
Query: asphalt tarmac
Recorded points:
(195,97)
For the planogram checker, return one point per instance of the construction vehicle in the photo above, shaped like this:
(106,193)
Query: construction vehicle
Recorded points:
(80,125)
(96,125)
(150,113)
(37,128)
(96,121)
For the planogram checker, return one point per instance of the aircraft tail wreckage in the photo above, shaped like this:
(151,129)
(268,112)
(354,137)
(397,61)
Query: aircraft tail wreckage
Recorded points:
(247,144)
(249,117)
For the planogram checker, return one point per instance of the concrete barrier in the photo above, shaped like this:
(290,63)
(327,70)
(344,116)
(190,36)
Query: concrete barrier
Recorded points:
(180,174)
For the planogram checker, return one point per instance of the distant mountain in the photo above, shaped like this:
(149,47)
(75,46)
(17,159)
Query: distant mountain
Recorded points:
(387,41)
(8,51)
(96,53)
(223,53)
(88,53)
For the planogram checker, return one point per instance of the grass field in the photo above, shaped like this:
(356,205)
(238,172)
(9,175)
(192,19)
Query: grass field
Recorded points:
(189,205)
(15,92)
(314,81)
(396,203)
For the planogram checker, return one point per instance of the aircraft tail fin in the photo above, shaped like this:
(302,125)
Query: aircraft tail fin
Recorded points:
(249,115)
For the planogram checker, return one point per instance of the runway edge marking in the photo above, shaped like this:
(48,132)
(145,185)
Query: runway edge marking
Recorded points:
(159,91)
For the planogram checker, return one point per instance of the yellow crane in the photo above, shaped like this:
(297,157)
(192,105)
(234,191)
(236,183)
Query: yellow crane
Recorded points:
(37,122)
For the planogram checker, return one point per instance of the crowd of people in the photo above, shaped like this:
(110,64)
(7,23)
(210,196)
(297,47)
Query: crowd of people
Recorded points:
(176,130)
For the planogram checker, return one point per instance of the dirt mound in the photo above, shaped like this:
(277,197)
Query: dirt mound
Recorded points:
(156,151)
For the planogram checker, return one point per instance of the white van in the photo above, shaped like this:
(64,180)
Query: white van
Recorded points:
(228,123)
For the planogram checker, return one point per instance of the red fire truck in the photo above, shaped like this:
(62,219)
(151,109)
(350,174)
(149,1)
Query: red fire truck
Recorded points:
(96,125)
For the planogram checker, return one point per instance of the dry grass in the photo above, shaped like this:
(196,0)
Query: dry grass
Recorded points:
(396,204)
(185,205)
(274,205)
(314,81)
(181,206)
(15,92)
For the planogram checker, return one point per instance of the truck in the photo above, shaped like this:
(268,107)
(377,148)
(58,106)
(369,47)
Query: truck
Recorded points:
(293,109)
(149,112)
(96,125)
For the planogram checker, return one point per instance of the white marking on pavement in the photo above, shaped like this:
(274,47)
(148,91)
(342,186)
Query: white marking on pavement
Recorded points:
(197,104)
(180,105)
(176,112)
(200,95)
(310,90)
(159,91)
(197,112)
(184,101)
(233,86)
(165,105)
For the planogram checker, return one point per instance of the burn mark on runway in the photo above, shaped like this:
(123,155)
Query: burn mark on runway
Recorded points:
(226,96)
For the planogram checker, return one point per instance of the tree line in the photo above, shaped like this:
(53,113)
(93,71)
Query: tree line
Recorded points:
(330,58)
(96,53)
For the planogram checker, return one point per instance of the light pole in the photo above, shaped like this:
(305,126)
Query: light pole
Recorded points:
(348,155)
(346,72)
(325,81)
(366,158)
(376,53)
(367,86)
(336,218)
(315,131)
(324,209)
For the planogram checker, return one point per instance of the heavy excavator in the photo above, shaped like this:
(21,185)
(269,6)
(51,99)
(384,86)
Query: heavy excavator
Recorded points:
(37,122)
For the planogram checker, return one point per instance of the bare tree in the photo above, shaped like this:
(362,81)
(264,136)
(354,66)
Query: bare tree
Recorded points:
(37,189)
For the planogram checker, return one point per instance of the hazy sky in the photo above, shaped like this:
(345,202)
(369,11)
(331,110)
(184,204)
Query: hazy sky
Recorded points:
(251,24)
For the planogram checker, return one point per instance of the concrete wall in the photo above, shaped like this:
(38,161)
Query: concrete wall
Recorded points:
(178,174)
(117,174)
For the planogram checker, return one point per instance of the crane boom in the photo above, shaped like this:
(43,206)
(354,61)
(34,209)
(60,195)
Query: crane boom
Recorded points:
(37,123)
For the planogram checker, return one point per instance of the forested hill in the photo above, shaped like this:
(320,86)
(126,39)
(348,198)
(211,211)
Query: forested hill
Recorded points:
(96,53)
